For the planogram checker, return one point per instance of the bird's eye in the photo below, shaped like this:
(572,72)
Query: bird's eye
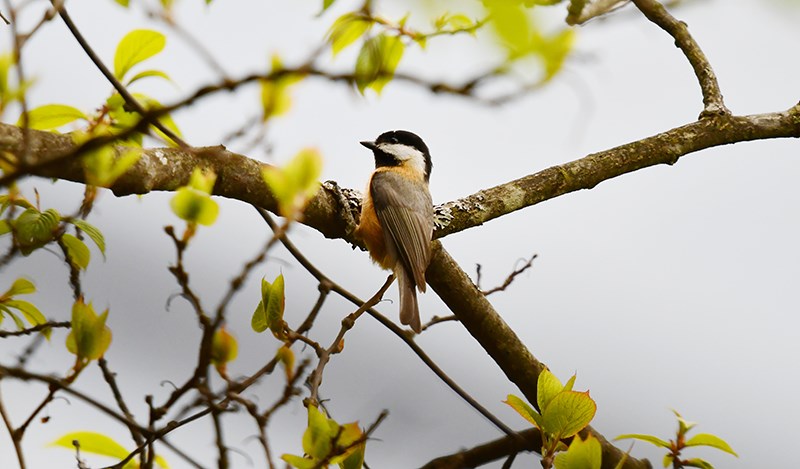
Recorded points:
(393,140)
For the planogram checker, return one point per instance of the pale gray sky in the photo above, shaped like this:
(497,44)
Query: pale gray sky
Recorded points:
(670,288)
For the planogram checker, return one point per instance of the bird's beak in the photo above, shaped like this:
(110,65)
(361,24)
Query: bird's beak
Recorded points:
(370,145)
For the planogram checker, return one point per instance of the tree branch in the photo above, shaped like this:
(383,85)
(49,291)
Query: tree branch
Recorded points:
(712,97)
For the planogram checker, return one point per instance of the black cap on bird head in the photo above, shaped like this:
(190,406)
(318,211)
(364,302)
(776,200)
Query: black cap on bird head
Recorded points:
(385,148)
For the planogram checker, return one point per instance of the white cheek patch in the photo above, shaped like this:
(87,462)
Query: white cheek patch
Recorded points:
(406,153)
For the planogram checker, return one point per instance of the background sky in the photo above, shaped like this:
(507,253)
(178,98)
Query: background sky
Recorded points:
(674,287)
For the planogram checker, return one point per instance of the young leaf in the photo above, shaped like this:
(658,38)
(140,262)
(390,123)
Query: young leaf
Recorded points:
(582,454)
(193,202)
(377,61)
(92,442)
(31,313)
(296,183)
(317,437)
(224,349)
(706,439)
(77,252)
(21,286)
(648,438)
(526,411)
(346,30)
(52,116)
(259,320)
(275,304)
(697,462)
(135,47)
(548,387)
(92,232)
(568,413)
(149,74)
(286,358)
(34,229)
(90,337)
(299,462)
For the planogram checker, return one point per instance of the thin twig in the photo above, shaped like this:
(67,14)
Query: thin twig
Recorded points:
(396,330)
(508,279)
(34,329)
(129,99)
(347,323)
(17,441)
(712,96)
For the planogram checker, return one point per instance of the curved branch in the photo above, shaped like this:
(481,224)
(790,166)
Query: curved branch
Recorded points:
(712,97)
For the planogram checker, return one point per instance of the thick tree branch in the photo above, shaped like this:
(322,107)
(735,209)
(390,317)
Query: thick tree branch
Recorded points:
(239,178)
(712,97)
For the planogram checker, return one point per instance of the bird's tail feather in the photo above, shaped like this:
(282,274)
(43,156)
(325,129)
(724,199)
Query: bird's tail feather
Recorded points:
(409,309)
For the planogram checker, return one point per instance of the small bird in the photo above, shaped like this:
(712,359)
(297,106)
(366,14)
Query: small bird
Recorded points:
(397,215)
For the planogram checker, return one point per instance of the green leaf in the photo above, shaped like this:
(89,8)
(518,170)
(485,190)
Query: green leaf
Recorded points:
(194,206)
(259,320)
(296,183)
(103,166)
(92,442)
(90,337)
(668,459)
(352,454)
(92,232)
(377,61)
(547,388)
(135,47)
(526,411)
(166,120)
(511,25)
(582,454)
(52,116)
(224,347)
(21,286)
(697,462)
(683,425)
(648,438)
(149,74)
(275,304)
(5,227)
(568,413)
(77,252)
(326,4)
(193,202)
(317,437)
(34,229)
(346,30)
(299,462)
(706,439)
(31,312)
(123,2)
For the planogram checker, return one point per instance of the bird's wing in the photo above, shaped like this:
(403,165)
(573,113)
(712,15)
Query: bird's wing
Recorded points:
(405,210)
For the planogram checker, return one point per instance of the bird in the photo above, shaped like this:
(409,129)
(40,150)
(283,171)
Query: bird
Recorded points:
(396,222)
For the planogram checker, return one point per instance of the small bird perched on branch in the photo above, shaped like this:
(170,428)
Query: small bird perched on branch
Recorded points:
(397,215)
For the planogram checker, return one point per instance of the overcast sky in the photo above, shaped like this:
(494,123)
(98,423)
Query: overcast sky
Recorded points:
(674,287)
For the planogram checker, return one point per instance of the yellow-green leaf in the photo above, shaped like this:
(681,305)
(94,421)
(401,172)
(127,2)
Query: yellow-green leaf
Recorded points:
(568,413)
(317,437)
(296,183)
(526,411)
(149,74)
(510,22)
(135,47)
(547,388)
(52,116)
(706,439)
(275,304)
(648,438)
(259,320)
(224,348)
(21,286)
(94,234)
(299,462)
(77,252)
(92,442)
(31,313)
(89,337)
(34,229)
(582,454)
(377,61)
(346,30)
(286,358)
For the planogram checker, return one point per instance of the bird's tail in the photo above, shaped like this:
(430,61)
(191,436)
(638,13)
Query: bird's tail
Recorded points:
(409,309)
